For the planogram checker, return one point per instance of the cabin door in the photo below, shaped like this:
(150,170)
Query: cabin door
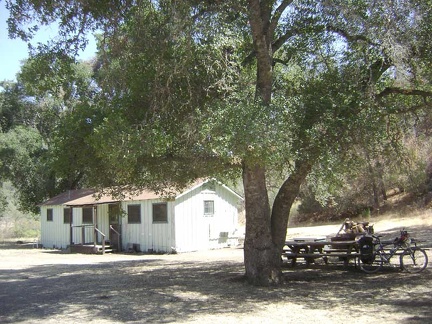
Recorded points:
(115,226)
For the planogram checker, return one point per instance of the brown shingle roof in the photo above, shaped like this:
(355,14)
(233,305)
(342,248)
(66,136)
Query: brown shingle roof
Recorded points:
(82,197)
(68,196)
(93,199)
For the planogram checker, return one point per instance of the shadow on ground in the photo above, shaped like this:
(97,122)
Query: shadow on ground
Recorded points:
(172,291)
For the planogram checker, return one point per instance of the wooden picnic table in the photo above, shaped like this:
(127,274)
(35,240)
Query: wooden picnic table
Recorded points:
(311,249)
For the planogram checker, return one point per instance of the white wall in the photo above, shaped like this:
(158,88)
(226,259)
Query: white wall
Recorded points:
(195,231)
(103,221)
(54,234)
(156,237)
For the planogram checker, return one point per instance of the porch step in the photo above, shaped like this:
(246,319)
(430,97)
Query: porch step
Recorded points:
(90,249)
(108,249)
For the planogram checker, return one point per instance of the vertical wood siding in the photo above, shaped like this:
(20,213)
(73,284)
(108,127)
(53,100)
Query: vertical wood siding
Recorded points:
(195,231)
(103,221)
(151,237)
(56,234)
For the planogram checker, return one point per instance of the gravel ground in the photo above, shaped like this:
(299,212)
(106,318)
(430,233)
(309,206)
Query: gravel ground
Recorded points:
(49,286)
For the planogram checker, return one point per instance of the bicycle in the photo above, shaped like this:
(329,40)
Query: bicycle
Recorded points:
(373,255)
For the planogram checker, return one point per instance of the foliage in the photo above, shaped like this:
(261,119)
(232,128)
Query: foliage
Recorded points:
(40,113)
(15,107)
(22,156)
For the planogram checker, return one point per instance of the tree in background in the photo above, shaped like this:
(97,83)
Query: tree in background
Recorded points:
(200,88)
(35,112)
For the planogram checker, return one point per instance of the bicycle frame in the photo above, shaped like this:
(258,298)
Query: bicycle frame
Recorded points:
(411,257)
(386,256)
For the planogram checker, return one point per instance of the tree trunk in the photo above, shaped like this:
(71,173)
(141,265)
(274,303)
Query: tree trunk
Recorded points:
(259,20)
(284,201)
(261,256)
(265,230)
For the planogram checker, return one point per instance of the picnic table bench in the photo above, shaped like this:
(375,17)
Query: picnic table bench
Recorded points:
(311,249)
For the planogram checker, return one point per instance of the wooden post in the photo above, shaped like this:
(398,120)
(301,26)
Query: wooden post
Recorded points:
(103,245)
(94,226)
(119,237)
(70,224)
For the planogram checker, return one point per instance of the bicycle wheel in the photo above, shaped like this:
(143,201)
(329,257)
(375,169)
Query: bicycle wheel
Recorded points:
(414,260)
(371,266)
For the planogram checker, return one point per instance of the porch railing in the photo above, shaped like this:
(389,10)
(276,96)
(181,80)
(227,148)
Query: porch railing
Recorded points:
(83,235)
(118,237)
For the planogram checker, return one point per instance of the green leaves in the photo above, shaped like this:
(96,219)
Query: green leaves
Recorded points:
(23,160)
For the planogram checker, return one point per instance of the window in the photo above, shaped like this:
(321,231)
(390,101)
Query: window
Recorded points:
(208,207)
(49,215)
(134,214)
(66,215)
(160,214)
(114,212)
(87,215)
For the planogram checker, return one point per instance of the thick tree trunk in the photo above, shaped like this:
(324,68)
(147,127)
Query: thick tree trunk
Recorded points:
(261,256)
(265,230)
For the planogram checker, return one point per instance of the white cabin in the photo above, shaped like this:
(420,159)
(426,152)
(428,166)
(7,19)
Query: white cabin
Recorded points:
(203,217)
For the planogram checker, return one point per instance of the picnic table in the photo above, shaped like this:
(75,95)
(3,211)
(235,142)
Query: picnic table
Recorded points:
(311,249)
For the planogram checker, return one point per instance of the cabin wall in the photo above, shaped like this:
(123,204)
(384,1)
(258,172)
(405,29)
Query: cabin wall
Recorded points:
(148,236)
(102,221)
(54,234)
(194,230)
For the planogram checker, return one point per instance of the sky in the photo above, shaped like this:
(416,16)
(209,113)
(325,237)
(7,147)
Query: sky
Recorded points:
(13,51)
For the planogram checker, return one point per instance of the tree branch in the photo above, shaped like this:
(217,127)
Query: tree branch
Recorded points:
(277,14)
(348,37)
(407,92)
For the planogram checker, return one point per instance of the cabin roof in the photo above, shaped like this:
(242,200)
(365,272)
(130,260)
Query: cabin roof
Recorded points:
(67,196)
(87,197)
(95,199)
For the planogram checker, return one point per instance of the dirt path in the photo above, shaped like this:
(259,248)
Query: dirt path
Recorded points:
(50,286)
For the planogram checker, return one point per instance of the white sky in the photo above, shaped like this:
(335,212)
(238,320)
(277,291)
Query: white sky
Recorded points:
(13,51)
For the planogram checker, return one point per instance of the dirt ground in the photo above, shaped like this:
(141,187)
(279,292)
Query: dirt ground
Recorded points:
(49,286)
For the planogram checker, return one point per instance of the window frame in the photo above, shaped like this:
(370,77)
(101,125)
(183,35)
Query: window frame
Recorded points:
(50,215)
(209,212)
(129,214)
(84,219)
(114,213)
(160,221)
(67,212)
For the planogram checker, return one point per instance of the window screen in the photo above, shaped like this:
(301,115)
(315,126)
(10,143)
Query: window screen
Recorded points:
(87,215)
(49,215)
(160,214)
(134,214)
(66,215)
(208,207)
